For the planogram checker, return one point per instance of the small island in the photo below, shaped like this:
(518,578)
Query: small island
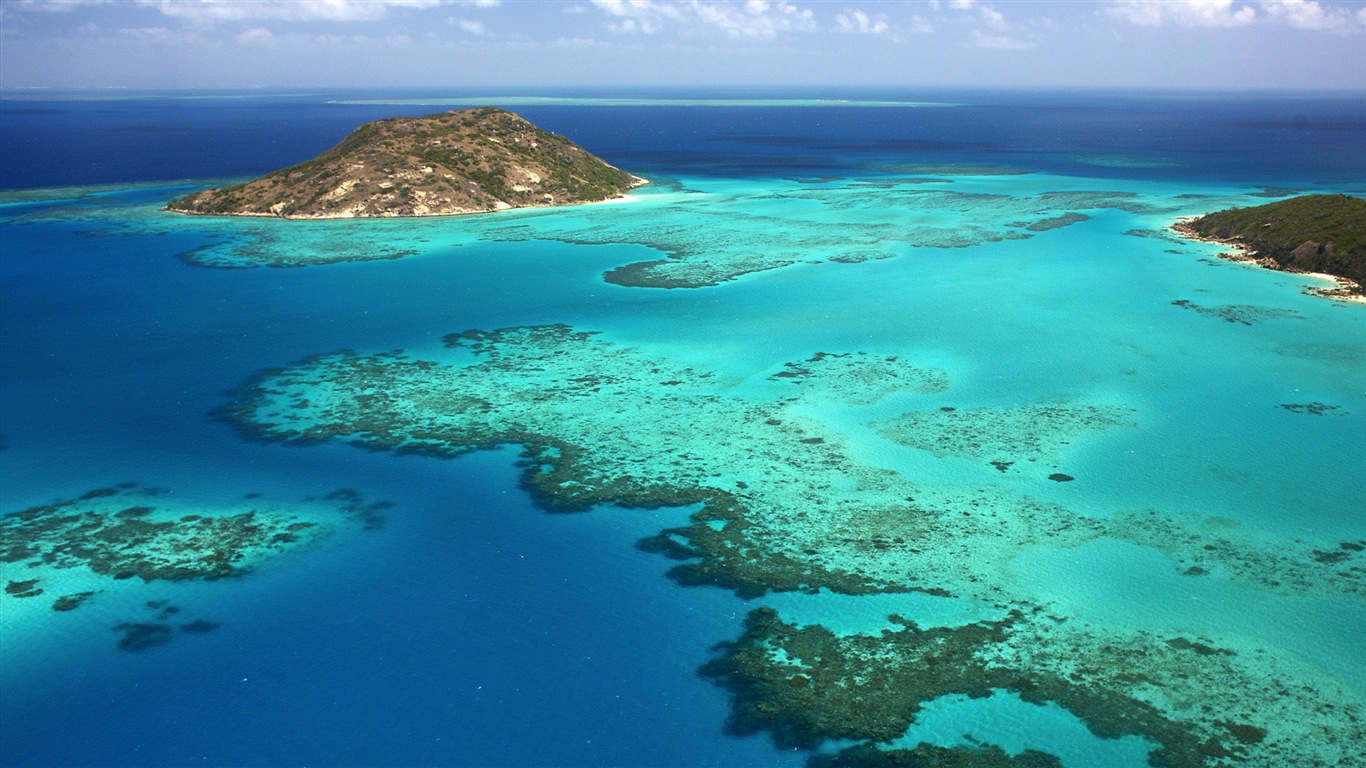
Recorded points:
(464,161)
(1320,234)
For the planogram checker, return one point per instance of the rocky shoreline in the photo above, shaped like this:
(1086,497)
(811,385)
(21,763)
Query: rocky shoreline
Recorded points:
(1345,288)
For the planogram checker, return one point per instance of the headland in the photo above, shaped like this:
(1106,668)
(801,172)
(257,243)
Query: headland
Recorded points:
(1323,235)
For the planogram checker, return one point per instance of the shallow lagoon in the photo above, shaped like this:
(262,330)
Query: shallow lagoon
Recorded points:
(475,629)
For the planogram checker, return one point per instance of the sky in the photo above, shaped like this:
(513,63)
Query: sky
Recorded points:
(526,44)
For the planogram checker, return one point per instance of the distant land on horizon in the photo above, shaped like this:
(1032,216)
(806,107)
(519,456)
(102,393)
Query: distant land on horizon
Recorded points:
(464,161)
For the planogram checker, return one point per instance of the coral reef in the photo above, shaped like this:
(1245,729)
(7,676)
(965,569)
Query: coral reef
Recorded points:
(932,756)
(1245,314)
(1029,433)
(807,686)
(1315,409)
(133,533)
(781,503)
(98,532)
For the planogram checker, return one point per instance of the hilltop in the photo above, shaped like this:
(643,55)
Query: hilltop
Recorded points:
(1311,233)
(464,161)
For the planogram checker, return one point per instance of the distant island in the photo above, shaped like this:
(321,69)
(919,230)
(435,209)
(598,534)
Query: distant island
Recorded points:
(464,161)
(1324,234)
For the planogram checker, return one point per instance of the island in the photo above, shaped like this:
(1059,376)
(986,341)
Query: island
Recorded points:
(1321,234)
(463,161)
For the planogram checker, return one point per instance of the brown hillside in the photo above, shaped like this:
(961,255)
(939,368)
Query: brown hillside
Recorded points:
(466,161)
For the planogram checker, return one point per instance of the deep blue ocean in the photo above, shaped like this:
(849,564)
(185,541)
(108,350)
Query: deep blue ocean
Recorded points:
(472,628)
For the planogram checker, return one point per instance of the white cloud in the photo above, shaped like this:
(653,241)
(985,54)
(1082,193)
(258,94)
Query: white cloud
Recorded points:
(576,42)
(644,16)
(480,3)
(994,18)
(257,36)
(476,28)
(162,36)
(858,22)
(1000,33)
(1000,42)
(1300,14)
(206,11)
(756,19)
(1186,13)
(1308,14)
(53,6)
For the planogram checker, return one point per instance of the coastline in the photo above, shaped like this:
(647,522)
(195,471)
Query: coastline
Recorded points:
(1345,289)
(624,197)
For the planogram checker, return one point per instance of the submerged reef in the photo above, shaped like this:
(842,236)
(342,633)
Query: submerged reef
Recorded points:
(1057,222)
(143,635)
(118,533)
(857,378)
(697,237)
(807,686)
(1007,435)
(933,756)
(1244,314)
(783,503)
(74,549)
(713,238)
(1315,409)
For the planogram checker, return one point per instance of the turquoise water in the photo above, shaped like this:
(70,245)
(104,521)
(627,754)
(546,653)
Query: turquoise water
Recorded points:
(473,628)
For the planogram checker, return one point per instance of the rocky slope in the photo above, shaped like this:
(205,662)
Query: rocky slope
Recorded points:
(465,161)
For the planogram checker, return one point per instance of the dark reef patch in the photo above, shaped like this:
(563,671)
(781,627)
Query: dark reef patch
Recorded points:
(1244,733)
(70,602)
(26,588)
(145,635)
(139,636)
(73,533)
(199,627)
(1245,314)
(115,534)
(726,557)
(807,686)
(1184,644)
(1315,409)
(1055,222)
(925,755)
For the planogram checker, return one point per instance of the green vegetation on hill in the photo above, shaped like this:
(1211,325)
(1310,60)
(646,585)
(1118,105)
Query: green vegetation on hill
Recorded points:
(465,161)
(1311,233)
